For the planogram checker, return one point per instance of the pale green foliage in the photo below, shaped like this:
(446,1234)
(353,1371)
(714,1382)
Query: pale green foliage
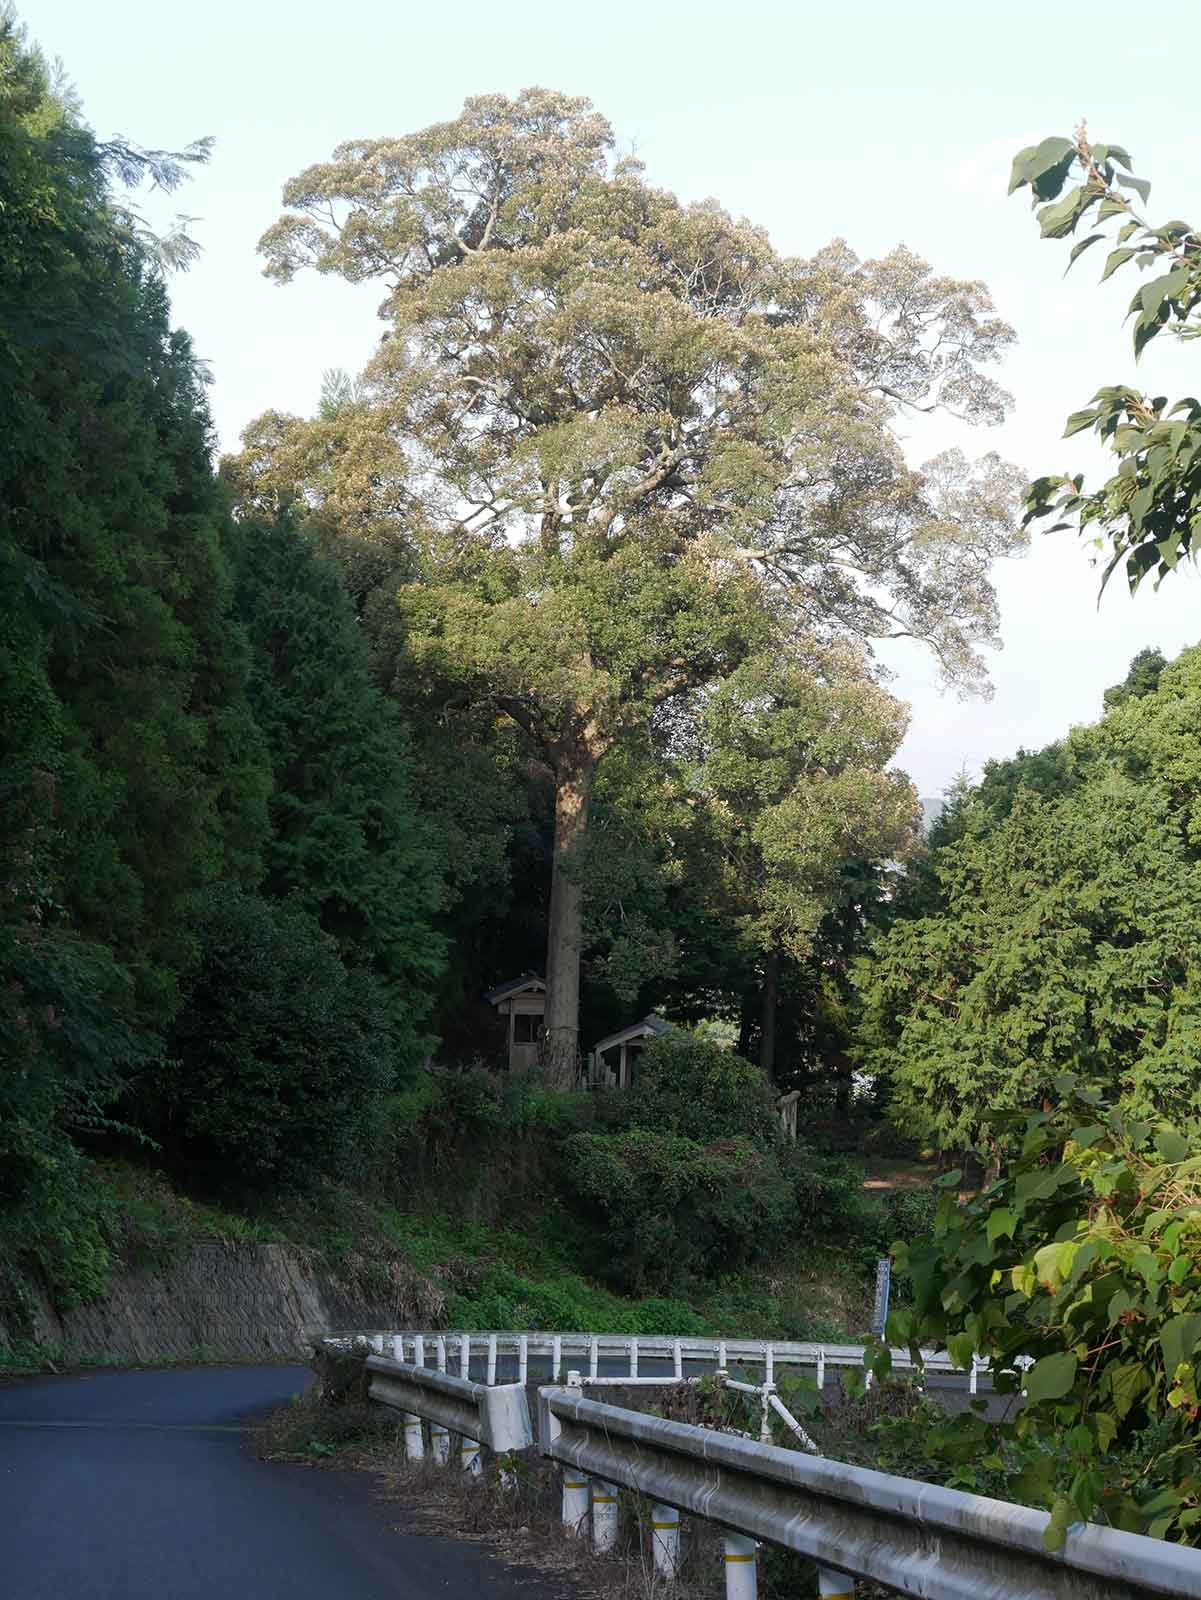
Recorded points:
(605,368)
(796,748)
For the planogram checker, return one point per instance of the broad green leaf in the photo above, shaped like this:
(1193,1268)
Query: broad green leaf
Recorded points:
(1049,153)
(1079,249)
(1140,185)
(1105,1430)
(1001,1224)
(1056,220)
(1114,260)
(1025,1280)
(961,1347)
(1152,295)
(1078,421)
(1063,1514)
(1172,1146)
(1045,166)
(1020,171)
(1127,1380)
(1051,1378)
(1178,1339)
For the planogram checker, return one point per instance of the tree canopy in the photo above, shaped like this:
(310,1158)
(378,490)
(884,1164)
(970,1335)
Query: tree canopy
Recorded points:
(1060,935)
(625,445)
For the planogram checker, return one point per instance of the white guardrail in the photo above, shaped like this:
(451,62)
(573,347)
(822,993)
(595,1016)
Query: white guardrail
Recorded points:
(916,1538)
(497,1416)
(588,1352)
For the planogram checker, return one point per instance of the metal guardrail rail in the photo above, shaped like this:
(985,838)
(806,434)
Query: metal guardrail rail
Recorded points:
(497,1416)
(925,1541)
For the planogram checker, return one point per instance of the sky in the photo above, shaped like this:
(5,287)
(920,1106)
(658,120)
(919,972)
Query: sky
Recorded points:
(877,121)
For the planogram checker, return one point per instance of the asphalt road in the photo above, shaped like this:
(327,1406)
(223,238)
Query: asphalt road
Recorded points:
(132,1485)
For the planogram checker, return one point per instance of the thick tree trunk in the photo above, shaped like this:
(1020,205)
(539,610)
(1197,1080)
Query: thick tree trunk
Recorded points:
(767,1031)
(573,795)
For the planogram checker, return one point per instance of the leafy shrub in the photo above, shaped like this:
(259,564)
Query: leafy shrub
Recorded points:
(827,1193)
(661,1316)
(692,1087)
(910,1213)
(1086,1258)
(672,1208)
(279,1056)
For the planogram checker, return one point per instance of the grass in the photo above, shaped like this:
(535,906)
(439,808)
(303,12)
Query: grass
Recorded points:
(501,1277)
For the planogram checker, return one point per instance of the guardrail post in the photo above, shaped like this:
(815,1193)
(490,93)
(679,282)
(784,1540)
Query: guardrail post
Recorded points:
(665,1540)
(465,1356)
(604,1514)
(419,1351)
(833,1585)
(439,1444)
(556,1357)
(633,1358)
(523,1359)
(593,1358)
(377,1343)
(471,1461)
(575,1499)
(413,1436)
(821,1367)
(440,1347)
(742,1573)
(491,1379)
(398,1347)
(677,1356)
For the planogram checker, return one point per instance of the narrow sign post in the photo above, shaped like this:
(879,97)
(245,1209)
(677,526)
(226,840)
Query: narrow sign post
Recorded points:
(883,1280)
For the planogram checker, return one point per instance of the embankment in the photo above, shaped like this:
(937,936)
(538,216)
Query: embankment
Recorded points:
(227,1301)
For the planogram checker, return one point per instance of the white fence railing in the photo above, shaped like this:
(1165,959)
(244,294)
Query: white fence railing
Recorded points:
(552,1355)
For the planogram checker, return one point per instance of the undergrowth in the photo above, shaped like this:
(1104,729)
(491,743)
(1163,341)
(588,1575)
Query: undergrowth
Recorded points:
(465,1216)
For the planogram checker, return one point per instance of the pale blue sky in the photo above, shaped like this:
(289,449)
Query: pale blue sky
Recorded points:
(877,122)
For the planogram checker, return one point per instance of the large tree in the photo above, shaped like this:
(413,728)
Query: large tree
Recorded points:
(630,444)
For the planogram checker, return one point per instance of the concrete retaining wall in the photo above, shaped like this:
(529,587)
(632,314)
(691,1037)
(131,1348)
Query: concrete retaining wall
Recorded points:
(226,1301)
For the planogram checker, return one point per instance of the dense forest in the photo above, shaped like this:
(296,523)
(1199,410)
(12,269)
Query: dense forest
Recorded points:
(546,644)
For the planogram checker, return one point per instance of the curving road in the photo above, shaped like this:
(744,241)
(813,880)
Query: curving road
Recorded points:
(133,1485)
